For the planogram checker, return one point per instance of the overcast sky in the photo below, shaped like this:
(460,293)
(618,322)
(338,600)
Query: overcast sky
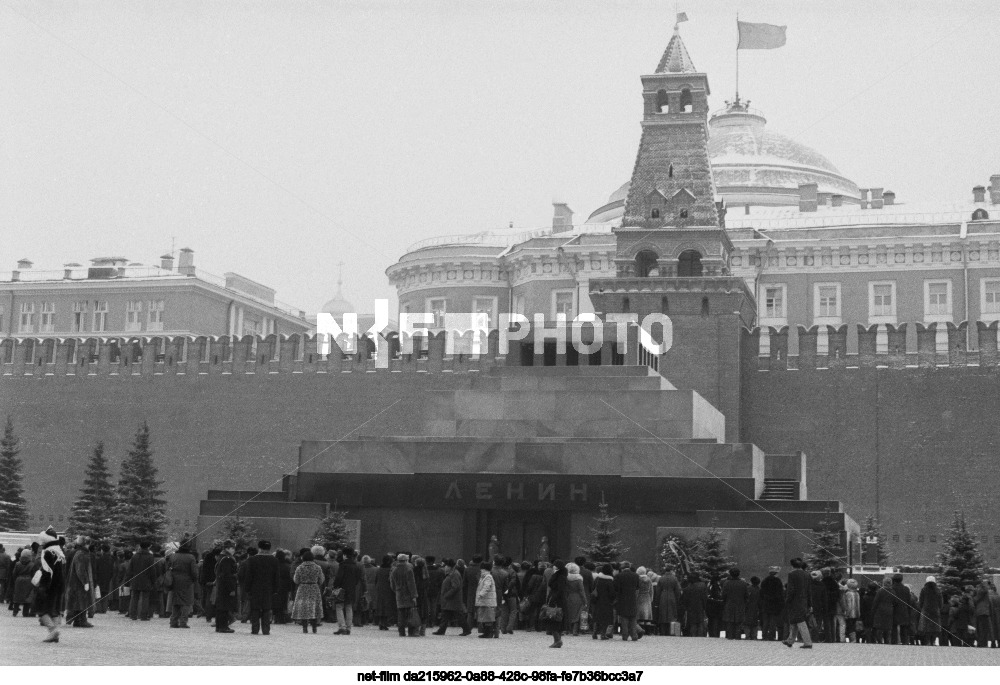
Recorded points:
(277,139)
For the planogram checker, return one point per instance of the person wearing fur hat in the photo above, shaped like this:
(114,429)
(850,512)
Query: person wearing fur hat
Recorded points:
(49,582)
(851,604)
(80,595)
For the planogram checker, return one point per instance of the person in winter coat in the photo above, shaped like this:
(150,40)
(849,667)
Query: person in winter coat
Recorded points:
(420,576)
(868,613)
(537,590)
(994,613)
(104,570)
(261,583)
(385,597)
(141,577)
(772,600)
(470,583)
(817,595)
(183,578)
(510,596)
(603,605)
(486,600)
(279,601)
(6,569)
(644,598)
(715,606)
(404,585)
(931,608)
(981,603)
(226,586)
(435,579)
(668,592)
(576,598)
(80,595)
(452,600)
(555,598)
(694,601)
(51,584)
(307,608)
(900,611)
(798,604)
(23,592)
(734,605)
(752,622)
(626,601)
(350,579)
(851,609)
(882,612)
(828,617)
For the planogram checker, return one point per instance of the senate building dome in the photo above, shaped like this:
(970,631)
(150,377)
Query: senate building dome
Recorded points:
(754,165)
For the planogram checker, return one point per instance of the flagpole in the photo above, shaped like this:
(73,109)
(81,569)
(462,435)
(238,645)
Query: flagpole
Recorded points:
(737,58)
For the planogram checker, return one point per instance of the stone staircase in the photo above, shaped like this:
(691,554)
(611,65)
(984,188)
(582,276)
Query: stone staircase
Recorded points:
(777,488)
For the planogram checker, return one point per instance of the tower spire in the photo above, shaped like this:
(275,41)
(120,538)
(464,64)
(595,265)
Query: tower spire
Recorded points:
(676,59)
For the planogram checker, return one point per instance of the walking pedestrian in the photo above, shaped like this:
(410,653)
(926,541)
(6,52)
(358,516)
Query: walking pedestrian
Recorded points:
(452,599)
(797,604)
(49,582)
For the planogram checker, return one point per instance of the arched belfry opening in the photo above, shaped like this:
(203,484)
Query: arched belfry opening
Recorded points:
(686,104)
(662,102)
(689,264)
(645,264)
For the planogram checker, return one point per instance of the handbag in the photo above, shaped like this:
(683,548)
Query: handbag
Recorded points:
(584,620)
(551,614)
(525,606)
(414,620)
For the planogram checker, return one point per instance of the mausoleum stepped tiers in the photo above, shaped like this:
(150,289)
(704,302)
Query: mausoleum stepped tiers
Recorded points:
(512,446)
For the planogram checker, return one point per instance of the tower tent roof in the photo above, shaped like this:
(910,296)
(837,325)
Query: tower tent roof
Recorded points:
(676,59)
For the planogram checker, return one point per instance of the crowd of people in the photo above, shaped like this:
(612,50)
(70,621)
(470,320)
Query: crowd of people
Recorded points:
(419,595)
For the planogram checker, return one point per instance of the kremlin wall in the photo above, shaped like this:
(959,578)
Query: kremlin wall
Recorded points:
(880,431)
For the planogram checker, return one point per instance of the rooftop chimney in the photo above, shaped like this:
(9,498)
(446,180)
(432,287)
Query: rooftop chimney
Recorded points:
(807,197)
(864,197)
(877,199)
(837,200)
(186,263)
(562,217)
(68,269)
(995,189)
(24,264)
(167,262)
(979,194)
(889,197)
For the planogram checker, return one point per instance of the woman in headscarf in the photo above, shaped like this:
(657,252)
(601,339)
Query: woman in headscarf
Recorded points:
(308,606)
(556,599)
(576,598)
(23,592)
(931,605)
(644,600)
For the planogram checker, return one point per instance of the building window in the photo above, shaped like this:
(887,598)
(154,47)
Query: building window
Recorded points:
(684,213)
(562,303)
(48,324)
(895,538)
(937,299)
(826,301)
(486,305)
(990,295)
(79,316)
(27,317)
(155,318)
(133,314)
(655,214)
(519,305)
(438,307)
(773,297)
(933,538)
(882,302)
(100,316)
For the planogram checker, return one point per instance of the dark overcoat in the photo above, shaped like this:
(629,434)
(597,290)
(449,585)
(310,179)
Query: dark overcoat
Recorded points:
(351,578)
(226,585)
(603,606)
(798,596)
(669,594)
(694,600)
(452,597)
(183,577)
(80,594)
(626,593)
(734,601)
(261,577)
(385,596)
(404,584)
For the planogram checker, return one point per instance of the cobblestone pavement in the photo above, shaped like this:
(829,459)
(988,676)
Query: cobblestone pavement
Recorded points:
(116,641)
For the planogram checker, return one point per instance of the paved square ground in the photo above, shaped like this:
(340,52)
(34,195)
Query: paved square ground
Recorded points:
(117,641)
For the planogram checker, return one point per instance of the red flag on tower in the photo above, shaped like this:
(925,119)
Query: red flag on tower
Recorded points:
(760,36)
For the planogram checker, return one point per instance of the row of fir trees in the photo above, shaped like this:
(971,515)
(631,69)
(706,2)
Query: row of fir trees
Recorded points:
(126,513)
(960,563)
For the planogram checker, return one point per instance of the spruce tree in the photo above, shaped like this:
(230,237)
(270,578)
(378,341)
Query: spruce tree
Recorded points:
(332,531)
(709,555)
(603,545)
(13,506)
(873,529)
(240,531)
(94,510)
(827,552)
(961,562)
(140,512)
